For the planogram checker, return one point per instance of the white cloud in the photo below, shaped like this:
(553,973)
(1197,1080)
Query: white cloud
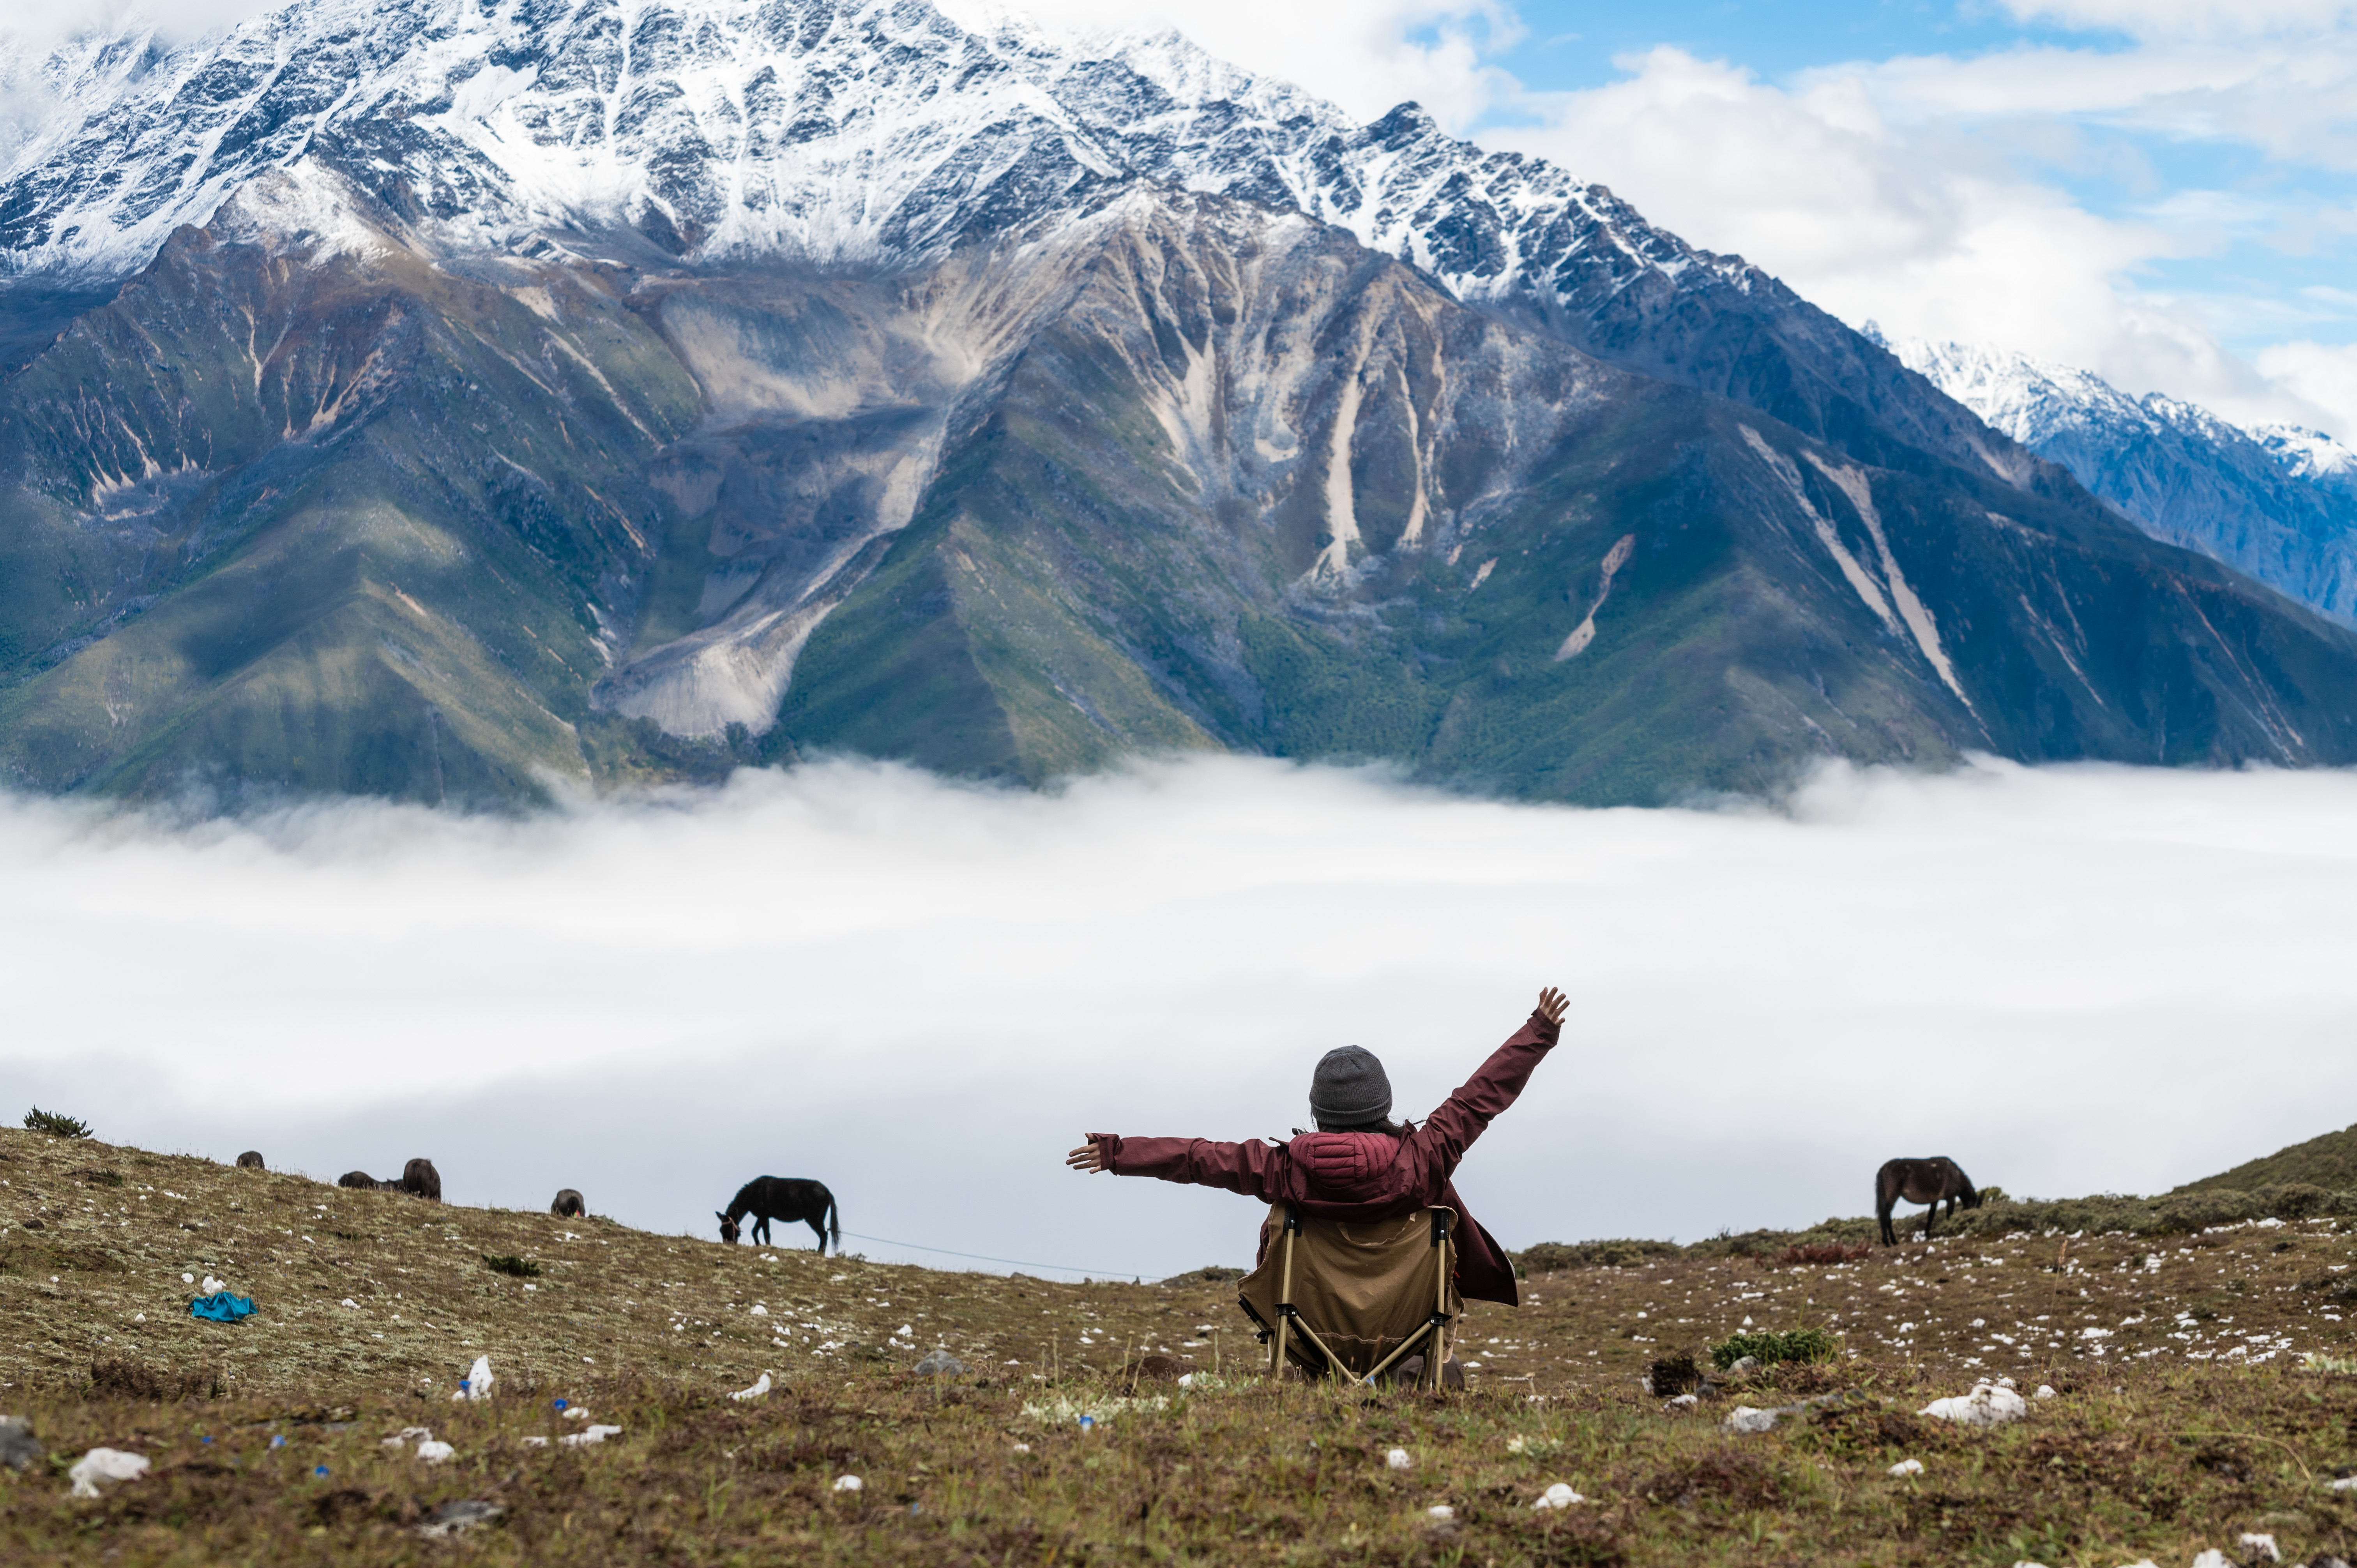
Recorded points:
(1911,193)
(924,994)
(2189,18)
(1365,55)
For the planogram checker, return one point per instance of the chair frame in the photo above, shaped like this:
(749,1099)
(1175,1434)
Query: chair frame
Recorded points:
(1432,1333)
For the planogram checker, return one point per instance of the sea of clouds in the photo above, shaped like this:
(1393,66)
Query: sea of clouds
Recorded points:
(2071,980)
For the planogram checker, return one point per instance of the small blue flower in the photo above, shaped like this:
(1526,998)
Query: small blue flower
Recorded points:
(562,1403)
(277,1440)
(320,1470)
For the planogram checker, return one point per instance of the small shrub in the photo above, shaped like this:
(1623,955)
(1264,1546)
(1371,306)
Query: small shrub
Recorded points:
(1552,1257)
(55,1125)
(93,1176)
(1769,1346)
(510,1264)
(1822,1252)
(1673,1375)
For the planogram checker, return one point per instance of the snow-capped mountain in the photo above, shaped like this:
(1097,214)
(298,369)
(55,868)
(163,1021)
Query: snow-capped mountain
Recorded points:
(875,132)
(2278,502)
(435,398)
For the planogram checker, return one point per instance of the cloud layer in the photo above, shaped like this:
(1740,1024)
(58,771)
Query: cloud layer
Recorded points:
(924,994)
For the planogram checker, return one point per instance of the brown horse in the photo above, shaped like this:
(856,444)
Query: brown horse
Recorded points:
(1933,1181)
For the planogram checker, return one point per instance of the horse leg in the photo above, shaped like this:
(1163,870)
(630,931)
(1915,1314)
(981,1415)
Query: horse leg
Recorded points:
(761,1229)
(1931,1217)
(818,1226)
(1882,1212)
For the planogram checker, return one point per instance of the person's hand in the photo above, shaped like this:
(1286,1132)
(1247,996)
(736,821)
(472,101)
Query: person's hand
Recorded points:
(1087,1157)
(1553,1004)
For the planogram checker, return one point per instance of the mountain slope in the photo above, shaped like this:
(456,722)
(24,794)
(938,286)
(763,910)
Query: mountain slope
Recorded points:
(2329,1162)
(528,395)
(2278,503)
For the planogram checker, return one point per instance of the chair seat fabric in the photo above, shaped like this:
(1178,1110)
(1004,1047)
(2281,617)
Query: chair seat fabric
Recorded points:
(1365,1286)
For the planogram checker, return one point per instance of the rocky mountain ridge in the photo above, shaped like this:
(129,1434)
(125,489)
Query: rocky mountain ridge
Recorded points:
(2278,502)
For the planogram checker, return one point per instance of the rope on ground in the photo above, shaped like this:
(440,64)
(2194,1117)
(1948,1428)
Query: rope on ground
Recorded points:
(985,1258)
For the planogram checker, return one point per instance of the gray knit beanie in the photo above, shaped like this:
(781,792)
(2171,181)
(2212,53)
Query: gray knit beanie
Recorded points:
(1349,1088)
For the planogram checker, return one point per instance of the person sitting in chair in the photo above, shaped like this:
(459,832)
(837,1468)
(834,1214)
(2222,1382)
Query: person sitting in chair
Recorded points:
(1361,1165)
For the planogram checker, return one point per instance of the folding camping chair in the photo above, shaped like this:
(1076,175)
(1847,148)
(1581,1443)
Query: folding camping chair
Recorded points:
(1353,1302)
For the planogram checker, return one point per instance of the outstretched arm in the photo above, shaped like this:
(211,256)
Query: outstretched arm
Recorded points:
(1499,1080)
(1238,1167)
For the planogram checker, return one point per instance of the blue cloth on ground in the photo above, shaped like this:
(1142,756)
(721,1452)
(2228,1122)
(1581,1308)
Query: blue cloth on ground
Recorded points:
(221,1308)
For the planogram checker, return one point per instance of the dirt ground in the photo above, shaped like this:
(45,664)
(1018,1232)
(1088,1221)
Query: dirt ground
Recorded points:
(2183,1415)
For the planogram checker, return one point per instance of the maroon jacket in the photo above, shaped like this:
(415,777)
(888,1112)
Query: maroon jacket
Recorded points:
(1364,1176)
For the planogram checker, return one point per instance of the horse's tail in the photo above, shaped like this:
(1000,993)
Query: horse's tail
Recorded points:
(834,1223)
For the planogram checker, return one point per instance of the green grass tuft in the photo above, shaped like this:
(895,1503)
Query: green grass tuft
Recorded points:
(510,1264)
(1771,1346)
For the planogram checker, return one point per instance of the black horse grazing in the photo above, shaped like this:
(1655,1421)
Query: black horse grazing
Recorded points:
(1933,1181)
(420,1179)
(569,1204)
(783,1198)
(250,1161)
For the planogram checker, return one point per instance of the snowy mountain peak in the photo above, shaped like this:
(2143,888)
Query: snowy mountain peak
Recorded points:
(842,132)
(2276,501)
(2308,454)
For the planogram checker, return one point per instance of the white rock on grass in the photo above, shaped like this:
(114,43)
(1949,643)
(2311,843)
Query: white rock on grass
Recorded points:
(1397,1459)
(2345,1484)
(2045,1392)
(1744,1418)
(760,1388)
(1559,1496)
(104,1465)
(1908,1468)
(478,1381)
(2264,1545)
(434,1451)
(846,1483)
(1987,1405)
(594,1433)
(1441,1511)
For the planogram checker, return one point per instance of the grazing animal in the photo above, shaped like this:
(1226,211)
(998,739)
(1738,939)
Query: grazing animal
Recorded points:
(569,1205)
(420,1179)
(360,1181)
(250,1161)
(783,1198)
(1933,1181)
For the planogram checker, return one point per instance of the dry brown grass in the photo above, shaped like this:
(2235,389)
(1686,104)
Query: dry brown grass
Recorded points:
(2147,1450)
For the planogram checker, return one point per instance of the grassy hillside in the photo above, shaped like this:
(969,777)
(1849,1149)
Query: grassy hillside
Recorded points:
(2180,1419)
(2330,1161)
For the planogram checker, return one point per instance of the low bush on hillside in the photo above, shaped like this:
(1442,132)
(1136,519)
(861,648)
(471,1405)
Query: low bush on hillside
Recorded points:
(1554,1257)
(513,1266)
(1769,1346)
(1822,1252)
(55,1125)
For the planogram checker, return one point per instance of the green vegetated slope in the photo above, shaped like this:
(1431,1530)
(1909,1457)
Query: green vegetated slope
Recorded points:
(1173,474)
(336,523)
(2186,1420)
(2328,1161)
